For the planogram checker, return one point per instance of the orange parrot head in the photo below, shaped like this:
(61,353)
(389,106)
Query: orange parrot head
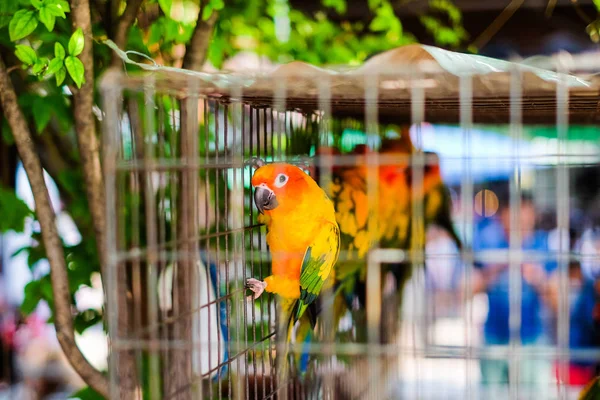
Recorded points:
(280,186)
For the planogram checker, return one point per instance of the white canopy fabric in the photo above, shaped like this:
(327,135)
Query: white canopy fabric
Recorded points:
(396,78)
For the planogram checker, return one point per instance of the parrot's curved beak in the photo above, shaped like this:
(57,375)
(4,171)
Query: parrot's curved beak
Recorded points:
(265,199)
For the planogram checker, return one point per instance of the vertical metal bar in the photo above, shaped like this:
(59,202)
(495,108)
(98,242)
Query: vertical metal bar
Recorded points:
(137,139)
(244,245)
(466,123)
(417,231)
(207,210)
(218,174)
(279,104)
(373,305)
(263,334)
(562,217)
(228,228)
(112,99)
(267,304)
(289,134)
(272,131)
(253,132)
(237,220)
(176,179)
(182,366)
(162,233)
(325,178)
(515,289)
(151,235)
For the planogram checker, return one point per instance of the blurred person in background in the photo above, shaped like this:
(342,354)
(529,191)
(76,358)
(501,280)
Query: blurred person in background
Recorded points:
(442,273)
(493,279)
(584,308)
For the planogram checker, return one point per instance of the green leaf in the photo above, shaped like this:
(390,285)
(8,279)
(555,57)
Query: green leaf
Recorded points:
(338,5)
(54,66)
(217,4)
(207,12)
(42,112)
(379,23)
(171,30)
(86,319)
(32,297)
(64,5)
(87,393)
(597,4)
(7,9)
(39,66)
(373,4)
(166,6)
(76,43)
(156,32)
(75,68)
(56,10)
(22,24)
(60,76)
(13,211)
(59,51)
(38,4)
(47,18)
(26,54)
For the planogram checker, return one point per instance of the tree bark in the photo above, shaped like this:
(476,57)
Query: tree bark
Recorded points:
(122,28)
(85,127)
(52,243)
(197,49)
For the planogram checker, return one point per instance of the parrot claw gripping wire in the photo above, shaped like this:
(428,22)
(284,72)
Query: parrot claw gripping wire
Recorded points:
(258,287)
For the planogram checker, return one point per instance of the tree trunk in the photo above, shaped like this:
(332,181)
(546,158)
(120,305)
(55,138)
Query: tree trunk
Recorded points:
(50,237)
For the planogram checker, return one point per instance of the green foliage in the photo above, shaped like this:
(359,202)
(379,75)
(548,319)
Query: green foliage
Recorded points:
(210,7)
(339,6)
(75,68)
(76,43)
(13,210)
(81,263)
(26,54)
(87,393)
(22,24)
(41,109)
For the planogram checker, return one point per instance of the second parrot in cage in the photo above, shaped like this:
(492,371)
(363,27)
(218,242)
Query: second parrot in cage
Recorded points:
(304,241)
(393,227)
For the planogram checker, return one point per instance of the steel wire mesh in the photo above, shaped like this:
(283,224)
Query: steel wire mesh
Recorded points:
(184,238)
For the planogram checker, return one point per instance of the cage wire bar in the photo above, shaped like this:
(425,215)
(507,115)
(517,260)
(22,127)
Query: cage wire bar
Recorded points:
(183,234)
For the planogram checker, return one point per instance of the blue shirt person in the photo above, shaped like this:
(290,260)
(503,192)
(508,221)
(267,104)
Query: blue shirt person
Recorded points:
(493,279)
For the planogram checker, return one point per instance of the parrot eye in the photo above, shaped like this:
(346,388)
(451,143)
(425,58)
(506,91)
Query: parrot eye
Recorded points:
(281,180)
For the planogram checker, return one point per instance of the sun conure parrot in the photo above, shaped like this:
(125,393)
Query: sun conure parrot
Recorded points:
(304,242)
(392,213)
(348,189)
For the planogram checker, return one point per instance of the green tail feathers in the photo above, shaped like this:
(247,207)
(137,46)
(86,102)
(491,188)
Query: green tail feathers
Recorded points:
(301,313)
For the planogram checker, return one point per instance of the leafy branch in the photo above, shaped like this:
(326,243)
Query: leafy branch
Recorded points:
(54,251)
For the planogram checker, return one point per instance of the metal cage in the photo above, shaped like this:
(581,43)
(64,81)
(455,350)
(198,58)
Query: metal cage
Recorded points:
(183,235)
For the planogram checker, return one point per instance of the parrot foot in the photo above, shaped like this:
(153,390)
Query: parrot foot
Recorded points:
(258,287)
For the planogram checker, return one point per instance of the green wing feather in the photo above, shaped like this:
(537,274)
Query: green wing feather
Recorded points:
(317,264)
